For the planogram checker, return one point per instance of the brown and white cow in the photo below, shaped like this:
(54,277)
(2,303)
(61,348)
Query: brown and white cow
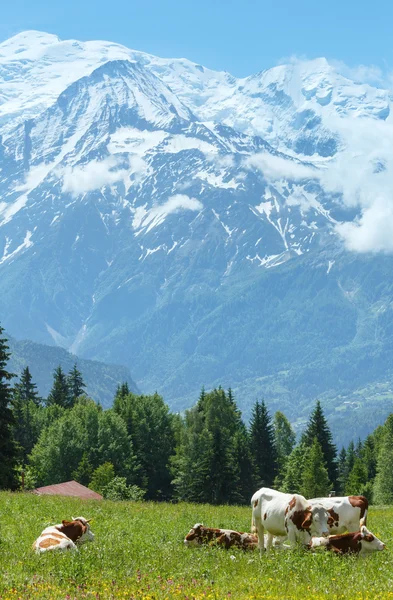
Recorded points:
(287,515)
(64,536)
(359,542)
(199,534)
(348,512)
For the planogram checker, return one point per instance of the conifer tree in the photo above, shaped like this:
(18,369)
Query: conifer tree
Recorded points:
(285,438)
(315,478)
(76,384)
(383,486)
(263,445)
(342,471)
(292,477)
(8,449)
(206,466)
(27,390)
(317,427)
(357,479)
(26,408)
(245,465)
(60,393)
(122,391)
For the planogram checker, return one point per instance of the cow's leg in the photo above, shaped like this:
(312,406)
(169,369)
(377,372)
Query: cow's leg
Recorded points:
(269,541)
(292,536)
(261,535)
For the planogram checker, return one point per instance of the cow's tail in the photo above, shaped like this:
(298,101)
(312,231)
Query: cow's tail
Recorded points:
(363,517)
(363,520)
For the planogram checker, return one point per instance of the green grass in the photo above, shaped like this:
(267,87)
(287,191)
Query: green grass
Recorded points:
(138,552)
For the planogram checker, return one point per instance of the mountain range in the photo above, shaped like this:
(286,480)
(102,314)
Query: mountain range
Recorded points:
(198,228)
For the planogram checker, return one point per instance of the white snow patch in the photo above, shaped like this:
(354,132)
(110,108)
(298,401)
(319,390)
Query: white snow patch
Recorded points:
(27,243)
(331,263)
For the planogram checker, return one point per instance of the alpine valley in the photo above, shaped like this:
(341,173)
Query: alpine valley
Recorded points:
(201,229)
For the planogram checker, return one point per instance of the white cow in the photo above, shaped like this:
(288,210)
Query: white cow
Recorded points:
(64,536)
(286,515)
(348,512)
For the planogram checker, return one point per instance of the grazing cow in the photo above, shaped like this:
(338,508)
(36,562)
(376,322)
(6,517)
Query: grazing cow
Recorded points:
(347,512)
(64,536)
(287,515)
(358,542)
(199,534)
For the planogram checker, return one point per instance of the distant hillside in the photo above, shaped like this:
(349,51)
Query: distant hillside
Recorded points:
(101,379)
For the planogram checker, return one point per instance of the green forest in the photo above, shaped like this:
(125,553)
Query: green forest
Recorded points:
(139,449)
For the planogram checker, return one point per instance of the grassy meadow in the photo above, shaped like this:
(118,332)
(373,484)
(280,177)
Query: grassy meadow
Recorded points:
(138,552)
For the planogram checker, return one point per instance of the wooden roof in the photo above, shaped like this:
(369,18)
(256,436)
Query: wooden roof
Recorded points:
(68,488)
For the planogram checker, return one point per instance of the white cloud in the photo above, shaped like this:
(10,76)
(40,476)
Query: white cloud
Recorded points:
(360,73)
(92,176)
(157,214)
(277,167)
(363,174)
(372,231)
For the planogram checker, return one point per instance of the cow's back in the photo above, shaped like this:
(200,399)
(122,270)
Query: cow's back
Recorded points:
(346,512)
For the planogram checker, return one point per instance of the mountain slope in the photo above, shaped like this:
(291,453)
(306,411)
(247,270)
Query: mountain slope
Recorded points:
(196,227)
(101,379)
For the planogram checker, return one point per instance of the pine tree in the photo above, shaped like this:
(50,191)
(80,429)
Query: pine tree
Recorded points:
(122,391)
(245,466)
(350,459)
(8,448)
(285,438)
(60,393)
(357,479)
(26,406)
(383,486)
(317,427)
(27,390)
(76,384)
(212,454)
(292,479)
(315,479)
(342,472)
(263,445)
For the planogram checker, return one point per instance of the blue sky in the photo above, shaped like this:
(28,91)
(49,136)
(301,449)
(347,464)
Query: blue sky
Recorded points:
(240,36)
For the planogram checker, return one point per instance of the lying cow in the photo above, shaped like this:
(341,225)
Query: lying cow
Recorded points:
(64,536)
(199,534)
(287,515)
(358,542)
(347,512)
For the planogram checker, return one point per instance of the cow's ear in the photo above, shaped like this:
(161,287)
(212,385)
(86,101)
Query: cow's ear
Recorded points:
(66,523)
(307,520)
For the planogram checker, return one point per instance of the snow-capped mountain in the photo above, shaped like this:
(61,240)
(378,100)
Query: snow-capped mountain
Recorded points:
(189,224)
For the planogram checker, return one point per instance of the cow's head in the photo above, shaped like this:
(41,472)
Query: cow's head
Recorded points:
(370,541)
(194,536)
(317,520)
(78,530)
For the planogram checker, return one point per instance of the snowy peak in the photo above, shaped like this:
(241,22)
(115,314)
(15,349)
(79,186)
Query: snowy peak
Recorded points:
(26,44)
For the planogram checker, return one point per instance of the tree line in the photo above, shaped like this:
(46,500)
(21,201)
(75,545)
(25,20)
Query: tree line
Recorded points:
(139,449)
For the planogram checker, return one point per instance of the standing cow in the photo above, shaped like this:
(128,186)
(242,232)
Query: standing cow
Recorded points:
(348,512)
(287,515)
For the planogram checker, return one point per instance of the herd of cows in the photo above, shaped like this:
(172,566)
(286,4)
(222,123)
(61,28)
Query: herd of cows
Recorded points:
(335,523)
